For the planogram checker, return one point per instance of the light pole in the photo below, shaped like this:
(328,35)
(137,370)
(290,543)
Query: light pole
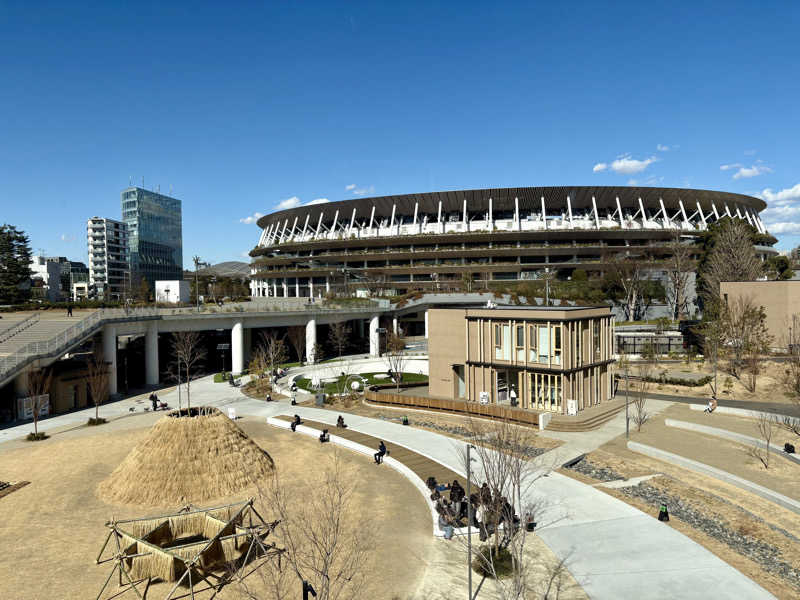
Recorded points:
(469,520)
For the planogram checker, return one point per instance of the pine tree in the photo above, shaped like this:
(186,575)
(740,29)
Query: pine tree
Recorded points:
(15,261)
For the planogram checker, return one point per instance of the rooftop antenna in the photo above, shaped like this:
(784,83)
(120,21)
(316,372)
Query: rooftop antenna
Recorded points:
(142,181)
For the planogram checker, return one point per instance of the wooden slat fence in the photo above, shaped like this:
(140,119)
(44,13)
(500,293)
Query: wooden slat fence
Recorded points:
(493,411)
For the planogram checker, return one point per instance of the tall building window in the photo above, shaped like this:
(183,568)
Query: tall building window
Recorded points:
(557,344)
(520,345)
(596,339)
(532,343)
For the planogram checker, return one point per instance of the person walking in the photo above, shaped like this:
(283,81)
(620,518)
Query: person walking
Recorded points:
(69,309)
(154,401)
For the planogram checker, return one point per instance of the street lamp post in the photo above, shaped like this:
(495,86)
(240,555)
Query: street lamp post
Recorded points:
(469,521)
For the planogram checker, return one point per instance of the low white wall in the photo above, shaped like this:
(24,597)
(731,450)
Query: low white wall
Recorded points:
(705,469)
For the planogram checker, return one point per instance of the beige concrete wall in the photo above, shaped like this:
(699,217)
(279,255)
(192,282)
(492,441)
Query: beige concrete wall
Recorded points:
(781,302)
(446,347)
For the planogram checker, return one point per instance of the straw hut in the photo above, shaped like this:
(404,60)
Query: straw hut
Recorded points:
(187,459)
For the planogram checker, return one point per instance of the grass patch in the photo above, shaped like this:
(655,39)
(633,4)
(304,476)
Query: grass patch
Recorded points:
(36,437)
(221,377)
(367,379)
(98,421)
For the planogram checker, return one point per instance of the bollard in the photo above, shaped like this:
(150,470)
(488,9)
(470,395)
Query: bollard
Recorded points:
(663,515)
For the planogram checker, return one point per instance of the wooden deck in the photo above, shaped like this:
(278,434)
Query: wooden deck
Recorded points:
(421,465)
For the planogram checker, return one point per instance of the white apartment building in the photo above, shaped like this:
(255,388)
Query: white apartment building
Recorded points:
(109,267)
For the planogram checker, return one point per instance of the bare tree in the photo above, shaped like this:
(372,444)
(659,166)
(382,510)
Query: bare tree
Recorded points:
(732,258)
(339,337)
(679,268)
(188,352)
(258,362)
(97,378)
(765,425)
(39,382)
(327,543)
(790,379)
(746,337)
(504,464)
(711,331)
(641,386)
(396,357)
(275,353)
(297,337)
(625,273)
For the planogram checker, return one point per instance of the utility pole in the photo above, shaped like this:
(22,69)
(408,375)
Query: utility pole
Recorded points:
(197,262)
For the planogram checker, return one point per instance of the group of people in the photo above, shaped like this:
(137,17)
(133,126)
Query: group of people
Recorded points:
(489,509)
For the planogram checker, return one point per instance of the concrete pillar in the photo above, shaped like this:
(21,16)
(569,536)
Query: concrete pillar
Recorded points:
(374,337)
(296,287)
(237,347)
(110,357)
(151,353)
(426,324)
(285,289)
(274,289)
(394,325)
(311,340)
(310,287)
(327,285)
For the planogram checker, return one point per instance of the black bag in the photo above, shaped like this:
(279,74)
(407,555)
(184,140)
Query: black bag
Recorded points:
(788,448)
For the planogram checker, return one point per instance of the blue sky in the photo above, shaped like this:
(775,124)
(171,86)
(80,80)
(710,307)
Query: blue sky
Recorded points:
(241,108)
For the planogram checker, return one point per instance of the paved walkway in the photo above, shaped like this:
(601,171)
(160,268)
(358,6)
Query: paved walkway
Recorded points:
(613,550)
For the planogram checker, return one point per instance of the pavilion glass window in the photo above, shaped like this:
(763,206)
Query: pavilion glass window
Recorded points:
(520,343)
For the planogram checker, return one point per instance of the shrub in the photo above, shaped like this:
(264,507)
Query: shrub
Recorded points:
(501,559)
(37,437)
(99,421)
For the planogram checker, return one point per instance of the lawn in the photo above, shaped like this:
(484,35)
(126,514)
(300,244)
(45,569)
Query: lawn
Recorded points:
(367,378)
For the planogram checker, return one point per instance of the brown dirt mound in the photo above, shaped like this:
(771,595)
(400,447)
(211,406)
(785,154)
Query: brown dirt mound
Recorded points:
(187,459)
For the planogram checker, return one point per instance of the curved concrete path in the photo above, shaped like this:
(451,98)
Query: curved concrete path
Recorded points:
(613,550)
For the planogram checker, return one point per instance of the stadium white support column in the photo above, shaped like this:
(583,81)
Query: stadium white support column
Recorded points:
(426,324)
(664,215)
(237,347)
(716,212)
(466,216)
(394,324)
(352,222)
(305,226)
(644,214)
(596,216)
(296,287)
(274,288)
(702,216)
(516,213)
(151,353)
(728,210)
(327,285)
(569,211)
(110,357)
(294,229)
(391,223)
(319,224)
(333,227)
(283,231)
(544,214)
(619,210)
(747,216)
(374,337)
(441,225)
(738,212)
(683,212)
(310,287)
(372,217)
(311,340)
(491,216)
(416,211)
(285,288)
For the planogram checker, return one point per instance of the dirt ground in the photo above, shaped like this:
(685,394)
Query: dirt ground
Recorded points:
(55,525)
(768,384)
(783,475)
(738,511)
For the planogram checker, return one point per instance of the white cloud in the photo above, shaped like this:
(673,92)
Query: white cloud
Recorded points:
(751,171)
(318,201)
(628,166)
(730,166)
(292,202)
(785,196)
(350,187)
(662,147)
(65,237)
(652,180)
(360,191)
(599,167)
(252,218)
(784,228)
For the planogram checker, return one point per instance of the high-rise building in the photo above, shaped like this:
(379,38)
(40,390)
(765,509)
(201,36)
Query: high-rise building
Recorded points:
(109,270)
(155,243)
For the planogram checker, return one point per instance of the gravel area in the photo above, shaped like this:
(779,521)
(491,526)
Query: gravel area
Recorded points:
(765,555)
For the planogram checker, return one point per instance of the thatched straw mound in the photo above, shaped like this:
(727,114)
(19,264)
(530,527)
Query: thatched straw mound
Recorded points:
(187,459)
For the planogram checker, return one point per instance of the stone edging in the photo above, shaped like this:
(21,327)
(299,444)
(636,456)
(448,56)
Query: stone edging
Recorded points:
(705,469)
(730,435)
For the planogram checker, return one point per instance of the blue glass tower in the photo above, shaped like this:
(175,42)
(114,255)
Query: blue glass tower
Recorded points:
(155,239)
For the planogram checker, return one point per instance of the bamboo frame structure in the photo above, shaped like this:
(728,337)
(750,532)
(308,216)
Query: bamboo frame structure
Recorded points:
(231,538)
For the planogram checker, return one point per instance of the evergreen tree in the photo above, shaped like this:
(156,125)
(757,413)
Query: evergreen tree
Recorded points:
(15,261)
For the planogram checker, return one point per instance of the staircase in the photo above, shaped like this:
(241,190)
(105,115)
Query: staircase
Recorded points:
(598,416)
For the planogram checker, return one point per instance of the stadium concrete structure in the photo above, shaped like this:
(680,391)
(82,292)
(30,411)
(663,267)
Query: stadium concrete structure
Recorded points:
(432,240)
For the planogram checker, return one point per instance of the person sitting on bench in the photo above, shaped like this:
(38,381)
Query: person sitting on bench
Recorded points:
(457,493)
(295,423)
(340,422)
(712,405)
(380,453)
(269,397)
(324,436)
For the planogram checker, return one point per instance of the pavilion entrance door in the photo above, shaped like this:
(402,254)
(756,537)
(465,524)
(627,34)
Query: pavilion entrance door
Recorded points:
(544,392)
(507,386)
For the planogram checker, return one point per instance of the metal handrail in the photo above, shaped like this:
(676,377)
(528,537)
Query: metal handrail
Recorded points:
(14,329)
